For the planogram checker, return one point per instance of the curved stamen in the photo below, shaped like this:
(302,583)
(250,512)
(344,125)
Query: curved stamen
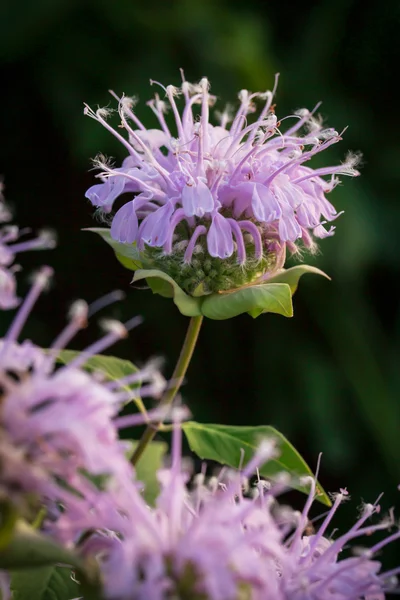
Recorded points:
(200,230)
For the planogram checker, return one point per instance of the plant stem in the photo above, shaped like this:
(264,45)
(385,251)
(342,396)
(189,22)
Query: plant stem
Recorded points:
(178,375)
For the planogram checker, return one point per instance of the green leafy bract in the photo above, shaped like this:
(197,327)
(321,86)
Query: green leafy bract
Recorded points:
(291,276)
(148,465)
(127,254)
(273,295)
(44,583)
(163,284)
(254,299)
(226,445)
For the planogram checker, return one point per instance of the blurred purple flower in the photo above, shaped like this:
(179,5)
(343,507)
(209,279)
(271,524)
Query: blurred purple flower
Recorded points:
(217,543)
(57,429)
(9,247)
(223,189)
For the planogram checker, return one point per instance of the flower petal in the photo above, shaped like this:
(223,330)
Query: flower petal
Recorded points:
(197,199)
(156,225)
(219,237)
(266,207)
(125,224)
(104,194)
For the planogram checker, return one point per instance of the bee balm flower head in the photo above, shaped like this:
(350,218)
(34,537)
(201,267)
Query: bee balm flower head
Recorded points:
(217,203)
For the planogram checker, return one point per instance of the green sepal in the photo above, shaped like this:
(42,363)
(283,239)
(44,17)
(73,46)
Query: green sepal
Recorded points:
(270,295)
(127,254)
(163,284)
(253,299)
(291,276)
(234,445)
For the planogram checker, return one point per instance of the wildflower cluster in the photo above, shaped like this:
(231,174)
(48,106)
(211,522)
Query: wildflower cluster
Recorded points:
(57,429)
(215,542)
(217,205)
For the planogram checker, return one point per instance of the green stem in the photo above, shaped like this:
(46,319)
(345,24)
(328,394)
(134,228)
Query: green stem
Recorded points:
(177,378)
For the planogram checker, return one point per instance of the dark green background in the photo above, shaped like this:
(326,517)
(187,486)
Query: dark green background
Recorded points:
(329,378)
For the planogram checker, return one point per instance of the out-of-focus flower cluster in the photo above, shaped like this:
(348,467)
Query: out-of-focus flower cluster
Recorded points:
(10,246)
(217,204)
(58,437)
(205,538)
(216,542)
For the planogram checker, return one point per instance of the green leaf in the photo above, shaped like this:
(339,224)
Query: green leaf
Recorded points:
(44,583)
(225,444)
(28,548)
(111,367)
(148,465)
(127,254)
(8,519)
(291,276)
(255,299)
(163,284)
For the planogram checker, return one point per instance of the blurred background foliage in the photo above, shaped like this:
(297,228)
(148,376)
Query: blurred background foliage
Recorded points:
(329,378)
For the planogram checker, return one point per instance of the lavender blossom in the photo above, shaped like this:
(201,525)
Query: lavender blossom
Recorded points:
(10,246)
(57,429)
(217,543)
(218,204)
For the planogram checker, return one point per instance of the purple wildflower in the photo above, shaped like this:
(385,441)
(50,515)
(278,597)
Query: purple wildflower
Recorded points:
(217,543)
(238,194)
(9,247)
(57,427)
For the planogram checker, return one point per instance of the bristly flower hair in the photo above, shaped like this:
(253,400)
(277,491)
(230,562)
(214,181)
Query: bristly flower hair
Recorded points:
(223,200)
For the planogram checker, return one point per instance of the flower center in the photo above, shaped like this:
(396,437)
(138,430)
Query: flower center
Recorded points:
(206,274)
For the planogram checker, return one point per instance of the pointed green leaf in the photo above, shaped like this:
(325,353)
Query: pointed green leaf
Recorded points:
(44,583)
(291,276)
(148,465)
(127,254)
(188,306)
(225,444)
(111,367)
(254,299)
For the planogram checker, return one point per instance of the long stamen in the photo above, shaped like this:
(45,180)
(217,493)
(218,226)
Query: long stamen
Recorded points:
(112,173)
(97,116)
(127,104)
(181,132)
(78,315)
(117,332)
(205,113)
(104,301)
(304,119)
(270,97)
(44,240)
(150,156)
(156,107)
(299,160)
(200,230)
(40,282)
